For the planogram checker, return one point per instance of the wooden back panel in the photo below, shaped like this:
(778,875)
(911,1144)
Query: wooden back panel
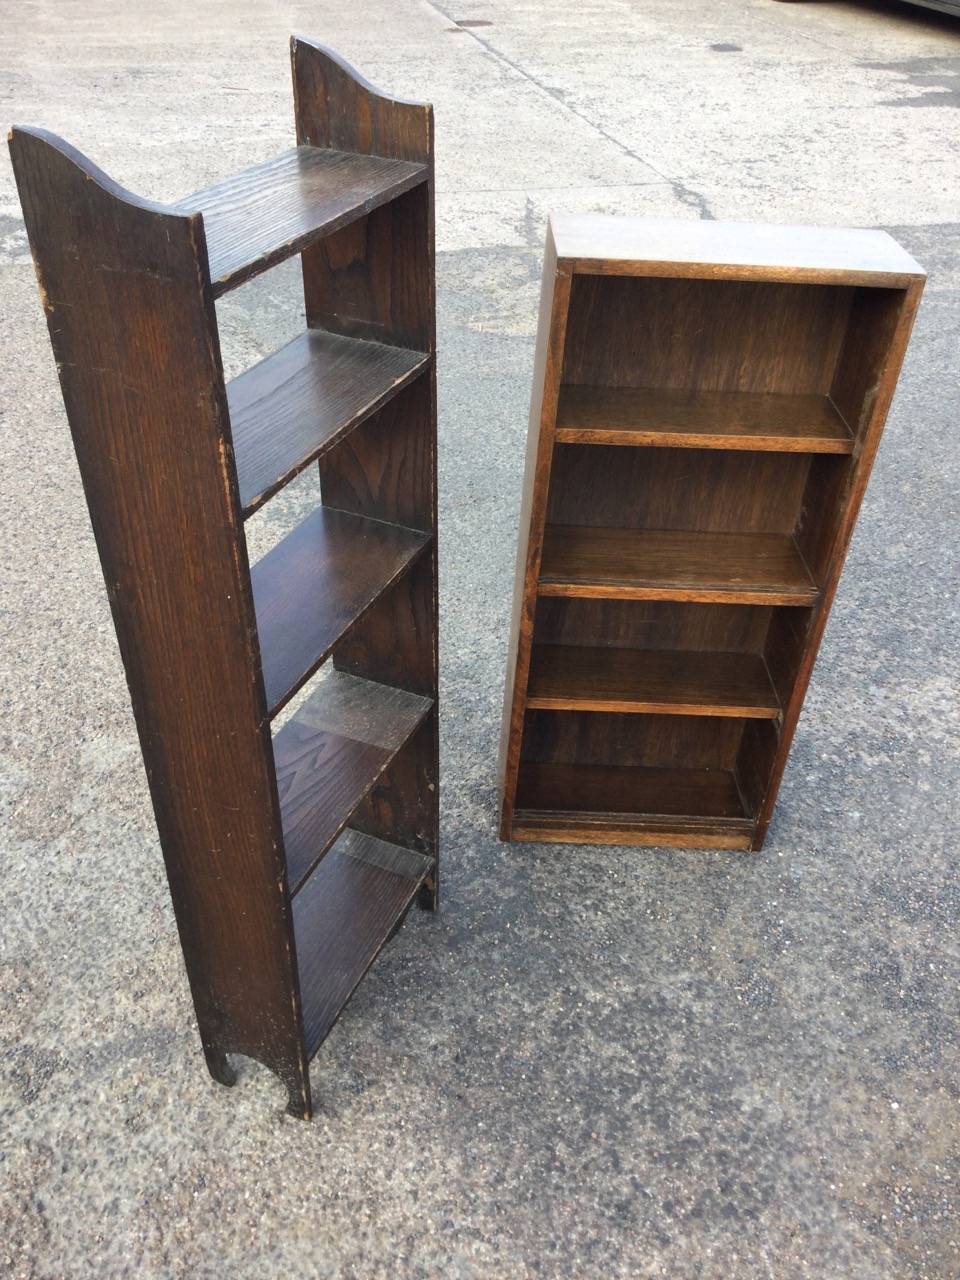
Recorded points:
(704,335)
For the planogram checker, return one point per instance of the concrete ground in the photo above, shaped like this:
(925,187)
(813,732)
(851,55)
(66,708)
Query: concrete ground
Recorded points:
(595,1062)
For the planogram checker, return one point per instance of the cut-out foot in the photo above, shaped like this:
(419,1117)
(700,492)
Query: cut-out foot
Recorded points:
(219,1067)
(300,1105)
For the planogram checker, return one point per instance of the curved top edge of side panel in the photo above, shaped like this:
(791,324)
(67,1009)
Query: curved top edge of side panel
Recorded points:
(29,136)
(361,81)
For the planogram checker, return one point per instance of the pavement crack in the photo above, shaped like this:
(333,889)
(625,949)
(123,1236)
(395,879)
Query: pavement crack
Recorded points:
(684,194)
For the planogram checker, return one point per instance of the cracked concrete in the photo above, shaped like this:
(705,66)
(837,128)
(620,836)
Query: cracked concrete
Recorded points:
(594,1062)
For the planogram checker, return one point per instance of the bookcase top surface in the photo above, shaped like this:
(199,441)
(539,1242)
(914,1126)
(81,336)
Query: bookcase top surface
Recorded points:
(600,244)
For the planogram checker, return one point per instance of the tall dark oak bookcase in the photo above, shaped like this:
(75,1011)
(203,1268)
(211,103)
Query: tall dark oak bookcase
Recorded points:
(707,403)
(292,855)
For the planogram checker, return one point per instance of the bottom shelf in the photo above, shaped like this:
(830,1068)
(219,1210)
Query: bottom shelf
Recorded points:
(605,804)
(343,916)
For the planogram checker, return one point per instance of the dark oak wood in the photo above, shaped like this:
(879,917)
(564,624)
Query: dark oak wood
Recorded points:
(684,419)
(132,328)
(688,490)
(315,584)
(616,792)
(387,468)
(369,884)
(787,339)
(625,739)
(172,461)
(303,399)
(670,681)
(264,215)
(330,755)
(635,624)
(674,565)
(374,279)
(707,404)
(548,360)
(404,801)
(387,643)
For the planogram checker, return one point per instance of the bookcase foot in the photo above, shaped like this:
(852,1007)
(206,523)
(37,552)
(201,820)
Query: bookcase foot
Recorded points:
(219,1067)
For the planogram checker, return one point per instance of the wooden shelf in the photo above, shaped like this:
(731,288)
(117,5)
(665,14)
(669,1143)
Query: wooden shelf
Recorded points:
(345,913)
(315,584)
(579,801)
(258,218)
(674,564)
(330,754)
(701,420)
(289,408)
(671,682)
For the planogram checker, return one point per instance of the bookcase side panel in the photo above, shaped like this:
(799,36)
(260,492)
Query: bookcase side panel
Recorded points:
(403,807)
(337,108)
(132,327)
(375,278)
(875,361)
(547,365)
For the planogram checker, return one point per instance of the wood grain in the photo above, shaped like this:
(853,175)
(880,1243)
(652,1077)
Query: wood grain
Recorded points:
(404,801)
(343,916)
(258,218)
(376,278)
(677,248)
(658,624)
(129,290)
(330,755)
(623,739)
(387,468)
(672,681)
(674,565)
(690,490)
(391,642)
(705,413)
(760,338)
(303,399)
(614,792)
(685,419)
(675,831)
(133,330)
(315,584)
(336,107)
(547,365)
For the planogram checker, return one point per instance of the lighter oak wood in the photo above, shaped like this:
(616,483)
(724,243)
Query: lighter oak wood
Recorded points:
(596,244)
(671,564)
(659,682)
(701,419)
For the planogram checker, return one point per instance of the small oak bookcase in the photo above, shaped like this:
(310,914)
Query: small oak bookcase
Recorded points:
(707,403)
(292,856)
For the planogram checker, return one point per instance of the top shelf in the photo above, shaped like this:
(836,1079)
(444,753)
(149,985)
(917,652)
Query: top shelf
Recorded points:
(264,215)
(597,244)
